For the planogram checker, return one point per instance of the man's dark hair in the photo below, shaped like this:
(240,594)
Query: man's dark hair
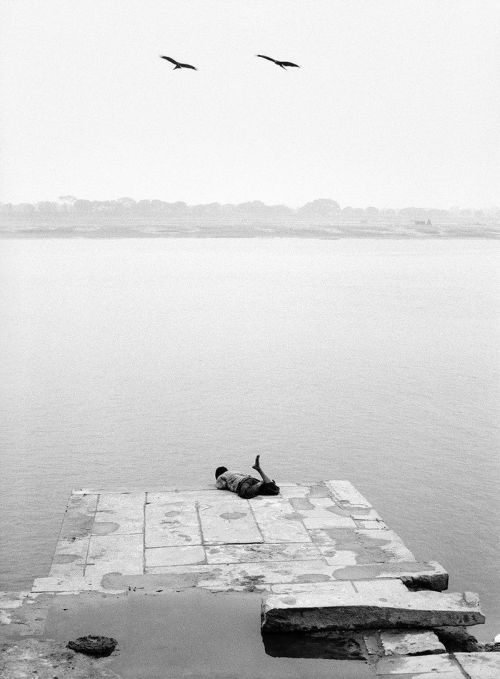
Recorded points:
(219,471)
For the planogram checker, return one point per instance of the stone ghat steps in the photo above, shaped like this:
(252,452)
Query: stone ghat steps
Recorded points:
(366,604)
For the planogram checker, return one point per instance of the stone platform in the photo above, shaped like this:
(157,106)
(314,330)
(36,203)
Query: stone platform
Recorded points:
(320,533)
(319,556)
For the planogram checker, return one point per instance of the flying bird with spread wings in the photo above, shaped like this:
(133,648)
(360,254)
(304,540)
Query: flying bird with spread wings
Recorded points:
(283,64)
(177,63)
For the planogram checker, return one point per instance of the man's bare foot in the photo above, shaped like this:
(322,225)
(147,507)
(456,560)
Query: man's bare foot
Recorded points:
(256,466)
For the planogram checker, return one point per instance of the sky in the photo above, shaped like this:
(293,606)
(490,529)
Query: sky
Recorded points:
(396,103)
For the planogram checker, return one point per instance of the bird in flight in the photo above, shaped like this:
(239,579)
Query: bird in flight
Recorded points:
(283,64)
(177,63)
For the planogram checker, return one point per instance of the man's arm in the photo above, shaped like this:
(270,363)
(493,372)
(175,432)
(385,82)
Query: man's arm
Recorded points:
(221,481)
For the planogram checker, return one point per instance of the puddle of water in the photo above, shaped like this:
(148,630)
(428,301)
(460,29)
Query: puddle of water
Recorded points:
(196,634)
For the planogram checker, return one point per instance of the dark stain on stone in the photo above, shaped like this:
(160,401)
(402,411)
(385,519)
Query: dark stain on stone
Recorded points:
(249,582)
(295,516)
(77,526)
(311,577)
(231,516)
(172,513)
(301,504)
(105,527)
(337,510)
(289,600)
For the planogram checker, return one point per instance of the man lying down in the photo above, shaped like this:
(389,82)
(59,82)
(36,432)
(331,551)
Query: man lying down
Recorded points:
(245,485)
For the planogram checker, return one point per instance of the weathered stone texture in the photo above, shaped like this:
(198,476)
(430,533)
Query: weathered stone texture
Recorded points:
(410,642)
(306,546)
(424,667)
(48,660)
(368,604)
(480,665)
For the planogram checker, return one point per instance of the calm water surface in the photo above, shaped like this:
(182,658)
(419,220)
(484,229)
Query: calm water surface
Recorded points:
(141,362)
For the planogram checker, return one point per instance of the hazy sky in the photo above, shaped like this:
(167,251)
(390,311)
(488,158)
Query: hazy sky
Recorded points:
(397,101)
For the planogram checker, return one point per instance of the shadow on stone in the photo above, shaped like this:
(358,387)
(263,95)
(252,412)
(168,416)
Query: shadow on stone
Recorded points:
(326,645)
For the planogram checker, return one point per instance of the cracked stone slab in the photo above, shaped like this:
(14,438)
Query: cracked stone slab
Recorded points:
(424,667)
(171,524)
(299,551)
(345,492)
(115,554)
(370,604)
(224,522)
(175,556)
(430,575)
(119,514)
(72,585)
(480,665)
(241,576)
(410,642)
(278,521)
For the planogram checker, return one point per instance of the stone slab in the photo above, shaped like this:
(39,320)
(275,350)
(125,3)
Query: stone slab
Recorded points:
(224,522)
(299,551)
(115,554)
(240,576)
(410,642)
(70,557)
(480,665)
(345,492)
(366,546)
(370,604)
(79,517)
(73,585)
(196,496)
(119,514)
(371,525)
(414,574)
(423,667)
(319,512)
(171,524)
(278,521)
(174,556)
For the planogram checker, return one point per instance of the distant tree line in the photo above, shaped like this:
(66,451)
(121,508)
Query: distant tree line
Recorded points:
(321,209)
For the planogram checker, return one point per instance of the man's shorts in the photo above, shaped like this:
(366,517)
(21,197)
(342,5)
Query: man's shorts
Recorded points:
(251,487)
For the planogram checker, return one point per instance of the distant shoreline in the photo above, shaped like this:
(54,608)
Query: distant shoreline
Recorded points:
(305,234)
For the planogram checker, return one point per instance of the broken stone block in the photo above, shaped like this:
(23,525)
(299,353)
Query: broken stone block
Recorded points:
(367,604)
(410,642)
(414,574)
